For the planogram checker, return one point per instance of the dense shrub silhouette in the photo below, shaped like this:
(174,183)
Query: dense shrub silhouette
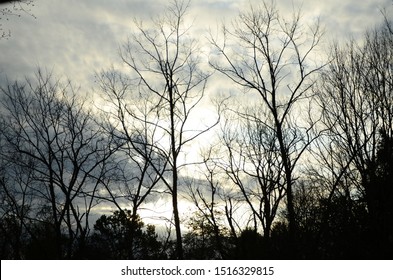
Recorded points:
(122,236)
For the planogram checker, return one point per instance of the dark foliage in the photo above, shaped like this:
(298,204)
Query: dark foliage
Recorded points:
(122,236)
(206,240)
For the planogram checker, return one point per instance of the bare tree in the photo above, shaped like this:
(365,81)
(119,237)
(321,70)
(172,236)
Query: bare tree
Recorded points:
(253,164)
(273,57)
(138,168)
(167,79)
(51,133)
(18,209)
(355,95)
(206,195)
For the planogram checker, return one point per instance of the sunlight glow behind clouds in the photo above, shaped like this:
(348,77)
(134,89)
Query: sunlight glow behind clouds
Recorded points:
(80,38)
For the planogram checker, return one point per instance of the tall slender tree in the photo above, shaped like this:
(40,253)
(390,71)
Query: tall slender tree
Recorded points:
(272,56)
(167,79)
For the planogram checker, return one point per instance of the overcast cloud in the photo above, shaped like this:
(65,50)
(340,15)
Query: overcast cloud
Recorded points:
(77,38)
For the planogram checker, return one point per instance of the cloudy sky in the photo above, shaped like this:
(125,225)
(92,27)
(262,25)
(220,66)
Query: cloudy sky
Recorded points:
(77,38)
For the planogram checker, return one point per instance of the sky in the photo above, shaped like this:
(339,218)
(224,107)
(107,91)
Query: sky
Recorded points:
(77,39)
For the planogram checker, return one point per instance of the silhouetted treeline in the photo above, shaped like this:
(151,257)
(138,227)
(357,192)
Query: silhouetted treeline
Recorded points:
(303,171)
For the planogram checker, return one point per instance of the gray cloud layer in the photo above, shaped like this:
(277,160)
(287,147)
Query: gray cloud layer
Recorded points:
(77,38)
